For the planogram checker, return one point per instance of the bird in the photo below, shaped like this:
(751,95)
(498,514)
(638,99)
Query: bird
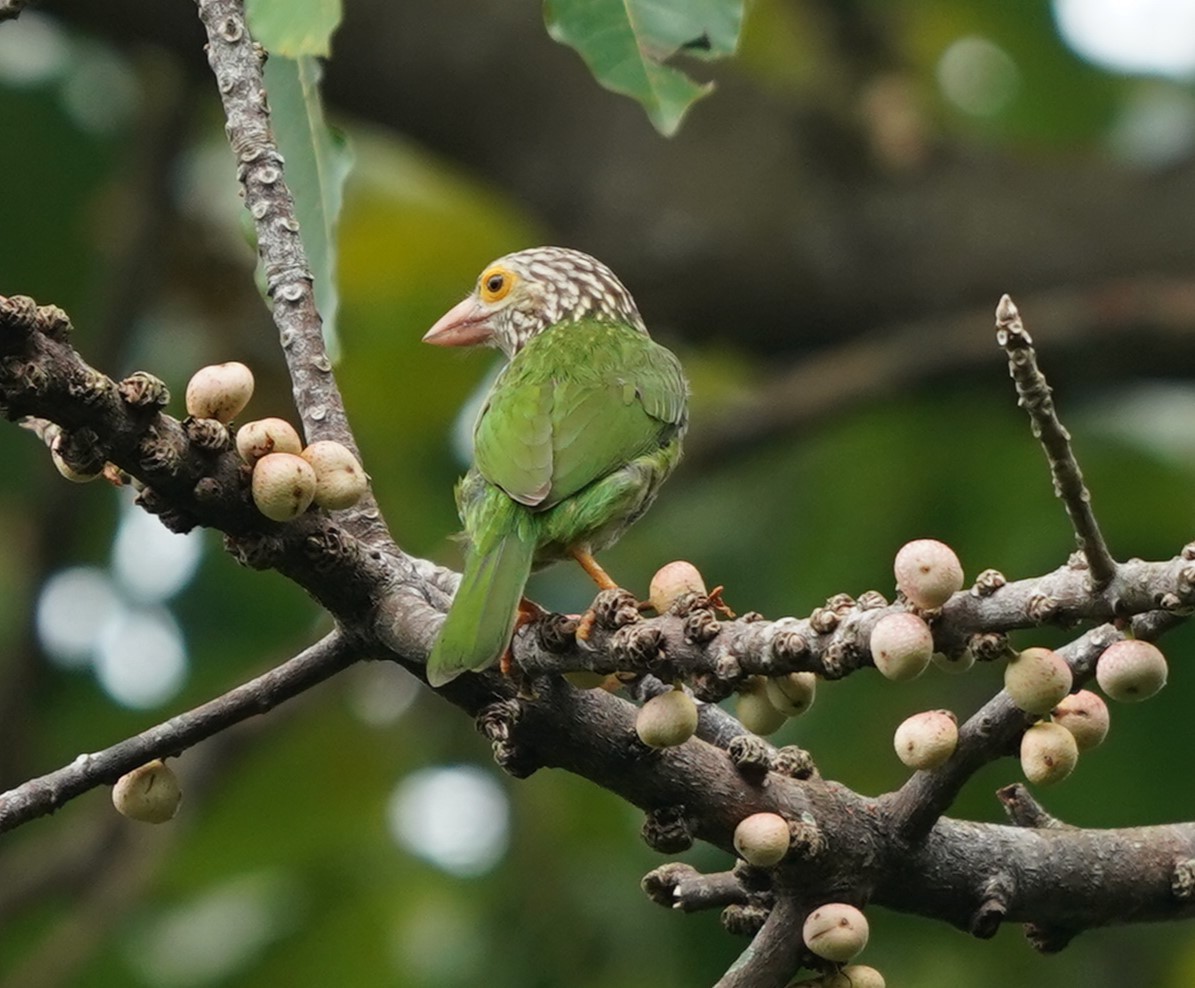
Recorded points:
(579,430)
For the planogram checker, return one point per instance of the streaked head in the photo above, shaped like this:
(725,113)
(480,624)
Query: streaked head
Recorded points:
(522,294)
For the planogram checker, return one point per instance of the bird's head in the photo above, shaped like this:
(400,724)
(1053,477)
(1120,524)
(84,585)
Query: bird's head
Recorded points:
(520,295)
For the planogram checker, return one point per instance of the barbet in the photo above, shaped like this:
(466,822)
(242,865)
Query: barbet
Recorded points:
(575,437)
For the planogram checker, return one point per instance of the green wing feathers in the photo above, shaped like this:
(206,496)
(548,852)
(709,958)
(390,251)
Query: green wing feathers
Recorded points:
(578,402)
(482,617)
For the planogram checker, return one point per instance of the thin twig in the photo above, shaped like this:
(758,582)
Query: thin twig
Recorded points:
(1025,811)
(236,61)
(45,794)
(1035,396)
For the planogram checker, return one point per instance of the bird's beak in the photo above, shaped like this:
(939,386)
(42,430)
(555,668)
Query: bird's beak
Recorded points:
(465,324)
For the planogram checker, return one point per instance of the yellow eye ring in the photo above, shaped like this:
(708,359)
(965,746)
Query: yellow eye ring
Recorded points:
(495,284)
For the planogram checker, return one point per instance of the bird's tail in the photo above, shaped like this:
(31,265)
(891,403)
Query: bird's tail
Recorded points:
(482,617)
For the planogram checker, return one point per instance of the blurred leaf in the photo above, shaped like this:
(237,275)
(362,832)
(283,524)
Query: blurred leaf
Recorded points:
(627,43)
(1081,99)
(318,160)
(294,27)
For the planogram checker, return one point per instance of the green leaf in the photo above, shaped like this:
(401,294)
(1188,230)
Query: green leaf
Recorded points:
(627,43)
(294,27)
(318,160)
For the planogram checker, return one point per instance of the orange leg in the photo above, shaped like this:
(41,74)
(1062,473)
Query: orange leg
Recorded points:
(595,571)
(528,613)
(599,576)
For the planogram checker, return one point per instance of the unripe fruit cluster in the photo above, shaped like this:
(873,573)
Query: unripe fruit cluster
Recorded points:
(325,473)
(1039,681)
(287,478)
(764,704)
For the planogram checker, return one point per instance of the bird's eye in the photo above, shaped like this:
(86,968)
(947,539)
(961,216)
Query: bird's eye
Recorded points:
(496,284)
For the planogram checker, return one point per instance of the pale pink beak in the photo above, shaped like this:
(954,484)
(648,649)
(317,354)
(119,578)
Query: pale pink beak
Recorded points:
(465,324)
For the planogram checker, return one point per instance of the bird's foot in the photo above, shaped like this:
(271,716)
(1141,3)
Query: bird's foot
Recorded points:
(585,625)
(528,613)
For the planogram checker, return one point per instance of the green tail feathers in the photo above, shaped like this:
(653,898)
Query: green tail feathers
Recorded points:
(482,618)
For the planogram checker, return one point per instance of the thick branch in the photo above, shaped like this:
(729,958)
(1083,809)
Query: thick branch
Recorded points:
(849,847)
(43,795)
(190,471)
(691,642)
(236,61)
(1063,878)
(958,872)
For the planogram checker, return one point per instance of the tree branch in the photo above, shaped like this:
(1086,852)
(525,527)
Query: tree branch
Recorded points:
(988,734)
(774,955)
(896,850)
(1035,398)
(236,62)
(45,794)
(691,642)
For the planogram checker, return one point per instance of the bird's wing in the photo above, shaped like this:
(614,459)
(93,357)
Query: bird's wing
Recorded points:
(512,442)
(582,410)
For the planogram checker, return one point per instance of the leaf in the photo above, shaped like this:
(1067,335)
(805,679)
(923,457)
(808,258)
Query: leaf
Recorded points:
(318,160)
(294,27)
(627,43)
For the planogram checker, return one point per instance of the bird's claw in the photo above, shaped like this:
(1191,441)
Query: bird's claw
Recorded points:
(528,613)
(585,625)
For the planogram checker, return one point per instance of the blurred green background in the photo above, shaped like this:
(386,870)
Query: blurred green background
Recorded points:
(866,173)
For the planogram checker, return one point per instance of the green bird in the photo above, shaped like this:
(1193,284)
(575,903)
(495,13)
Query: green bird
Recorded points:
(575,437)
